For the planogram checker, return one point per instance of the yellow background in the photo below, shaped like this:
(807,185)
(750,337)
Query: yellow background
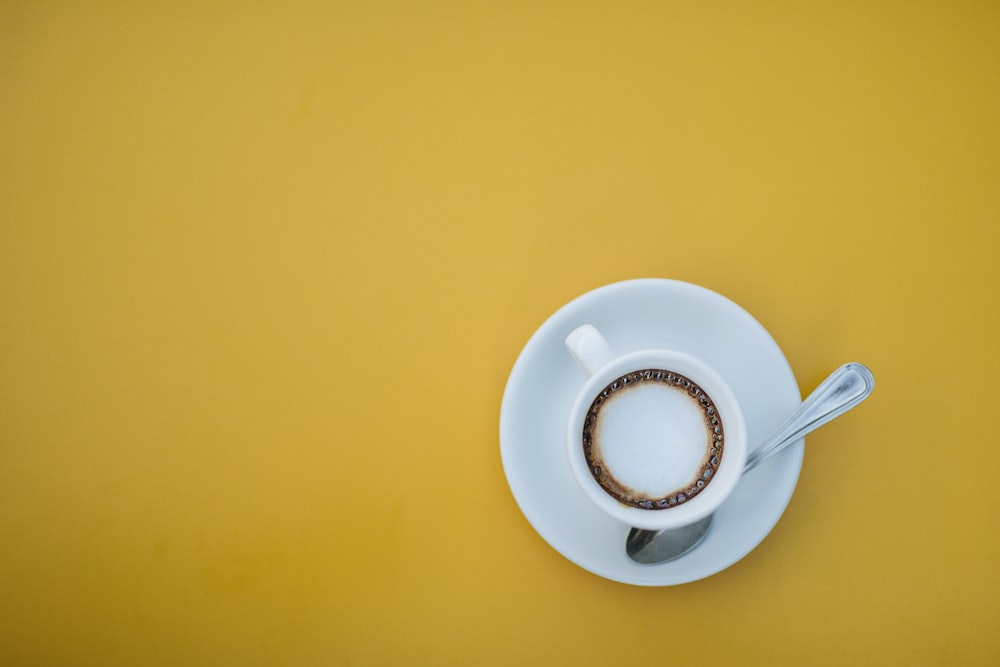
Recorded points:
(264,269)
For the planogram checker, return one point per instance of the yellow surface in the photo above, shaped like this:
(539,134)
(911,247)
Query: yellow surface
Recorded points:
(264,271)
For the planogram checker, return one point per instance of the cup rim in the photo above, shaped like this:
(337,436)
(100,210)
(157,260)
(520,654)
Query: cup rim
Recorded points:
(730,468)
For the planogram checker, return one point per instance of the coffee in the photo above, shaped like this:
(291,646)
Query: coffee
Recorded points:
(653,439)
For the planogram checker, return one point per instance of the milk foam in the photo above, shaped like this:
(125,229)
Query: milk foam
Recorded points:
(652,438)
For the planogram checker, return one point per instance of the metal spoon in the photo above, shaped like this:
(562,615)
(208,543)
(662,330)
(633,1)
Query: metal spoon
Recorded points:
(845,388)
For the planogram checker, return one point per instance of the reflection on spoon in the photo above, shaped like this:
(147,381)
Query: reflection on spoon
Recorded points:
(845,388)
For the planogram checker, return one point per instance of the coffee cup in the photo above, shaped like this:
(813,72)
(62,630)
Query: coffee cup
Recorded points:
(656,437)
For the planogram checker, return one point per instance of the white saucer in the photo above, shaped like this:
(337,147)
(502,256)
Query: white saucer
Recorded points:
(633,315)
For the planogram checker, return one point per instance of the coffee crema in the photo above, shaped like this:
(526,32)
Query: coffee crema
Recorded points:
(653,439)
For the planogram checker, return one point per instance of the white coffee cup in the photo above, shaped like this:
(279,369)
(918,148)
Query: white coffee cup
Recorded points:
(653,441)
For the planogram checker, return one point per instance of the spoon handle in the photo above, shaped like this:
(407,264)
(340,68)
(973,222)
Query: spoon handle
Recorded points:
(846,387)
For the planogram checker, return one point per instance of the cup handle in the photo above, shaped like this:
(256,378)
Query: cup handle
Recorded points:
(589,348)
